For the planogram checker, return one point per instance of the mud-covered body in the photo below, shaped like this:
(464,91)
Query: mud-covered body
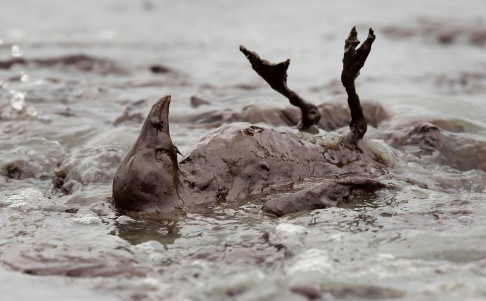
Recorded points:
(237,163)
(240,160)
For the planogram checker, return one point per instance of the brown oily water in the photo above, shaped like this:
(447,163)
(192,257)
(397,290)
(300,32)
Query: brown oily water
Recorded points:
(329,196)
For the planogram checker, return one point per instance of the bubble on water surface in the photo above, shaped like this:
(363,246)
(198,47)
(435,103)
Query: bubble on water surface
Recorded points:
(153,250)
(16,51)
(31,111)
(26,195)
(150,246)
(151,283)
(26,200)
(123,219)
(17,101)
(88,219)
(20,206)
(24,77)
(313,260)
(203,264)
(290,229)
(290,233)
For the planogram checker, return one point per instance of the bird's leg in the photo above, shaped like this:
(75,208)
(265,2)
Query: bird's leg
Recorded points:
(353,61)
(276,76)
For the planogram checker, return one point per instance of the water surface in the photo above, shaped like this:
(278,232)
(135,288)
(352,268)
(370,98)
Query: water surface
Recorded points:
(411,244)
